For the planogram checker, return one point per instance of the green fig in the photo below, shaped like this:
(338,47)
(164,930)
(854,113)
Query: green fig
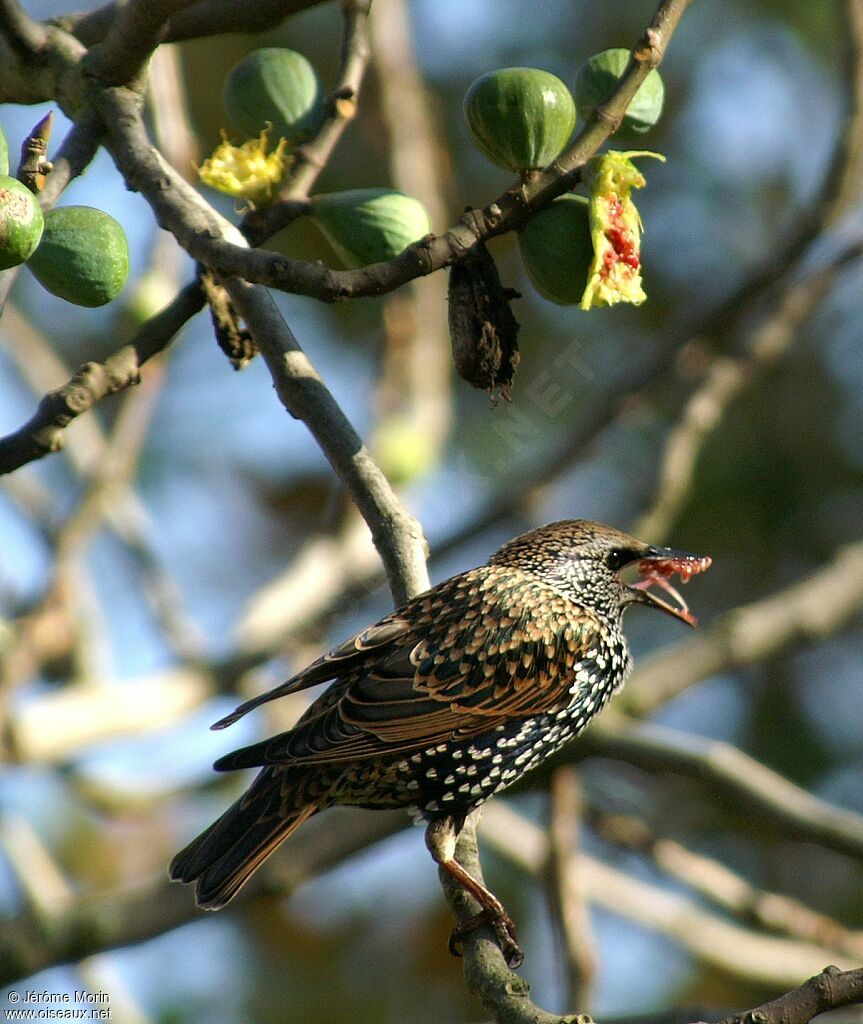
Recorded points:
(275,86)
(83,256)
(369,225)
(521,118)
(4,154)
(21,222)
(557,251)
(597,78)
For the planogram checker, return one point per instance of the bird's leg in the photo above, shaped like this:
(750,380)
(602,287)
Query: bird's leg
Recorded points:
(441,836)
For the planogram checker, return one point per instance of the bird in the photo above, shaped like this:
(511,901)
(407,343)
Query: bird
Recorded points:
(446,701)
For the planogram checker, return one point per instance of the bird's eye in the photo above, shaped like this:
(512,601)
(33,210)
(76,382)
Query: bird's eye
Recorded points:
(617,558)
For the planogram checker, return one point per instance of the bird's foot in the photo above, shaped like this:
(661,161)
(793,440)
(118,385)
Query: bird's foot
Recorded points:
(504,930)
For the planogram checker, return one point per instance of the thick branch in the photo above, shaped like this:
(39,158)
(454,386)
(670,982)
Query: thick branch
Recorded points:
(25,36)
(135,31)
(826,991)
(37,62)
(204,18)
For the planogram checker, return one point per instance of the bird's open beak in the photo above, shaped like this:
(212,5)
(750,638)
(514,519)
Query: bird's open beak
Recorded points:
(656,567)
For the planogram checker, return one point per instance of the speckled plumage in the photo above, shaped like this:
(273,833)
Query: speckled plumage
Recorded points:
(446,701)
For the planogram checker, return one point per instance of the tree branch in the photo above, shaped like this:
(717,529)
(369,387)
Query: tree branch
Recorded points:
(764,959)
(828,990)
(192,225)
(750,785)
(396,534)
(44,432)
(25,36)
(197,21)
(772,911)
(501,991)
(134,33)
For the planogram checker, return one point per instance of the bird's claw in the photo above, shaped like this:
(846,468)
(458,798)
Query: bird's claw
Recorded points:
(504,930)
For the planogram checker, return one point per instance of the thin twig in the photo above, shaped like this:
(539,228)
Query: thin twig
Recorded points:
(311,158)
(72,158)
(45,431)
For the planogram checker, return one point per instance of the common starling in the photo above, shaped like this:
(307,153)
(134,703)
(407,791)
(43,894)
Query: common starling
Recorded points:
(448,700)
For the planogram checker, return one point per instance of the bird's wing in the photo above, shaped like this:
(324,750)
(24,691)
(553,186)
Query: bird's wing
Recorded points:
(500,653)
(349,656)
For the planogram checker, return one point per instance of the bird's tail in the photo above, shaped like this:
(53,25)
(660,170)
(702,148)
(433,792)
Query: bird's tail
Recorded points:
(222,859)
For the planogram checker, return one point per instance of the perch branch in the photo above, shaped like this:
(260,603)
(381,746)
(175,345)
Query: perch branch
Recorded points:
(134,33)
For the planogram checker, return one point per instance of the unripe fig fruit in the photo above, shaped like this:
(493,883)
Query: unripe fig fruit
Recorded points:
(521,118)
(597,78)
(21,222)
(369,225)
(556,249)
(275,86)
(83,256)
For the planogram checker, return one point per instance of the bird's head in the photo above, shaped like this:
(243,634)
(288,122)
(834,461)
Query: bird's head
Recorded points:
(603,568)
